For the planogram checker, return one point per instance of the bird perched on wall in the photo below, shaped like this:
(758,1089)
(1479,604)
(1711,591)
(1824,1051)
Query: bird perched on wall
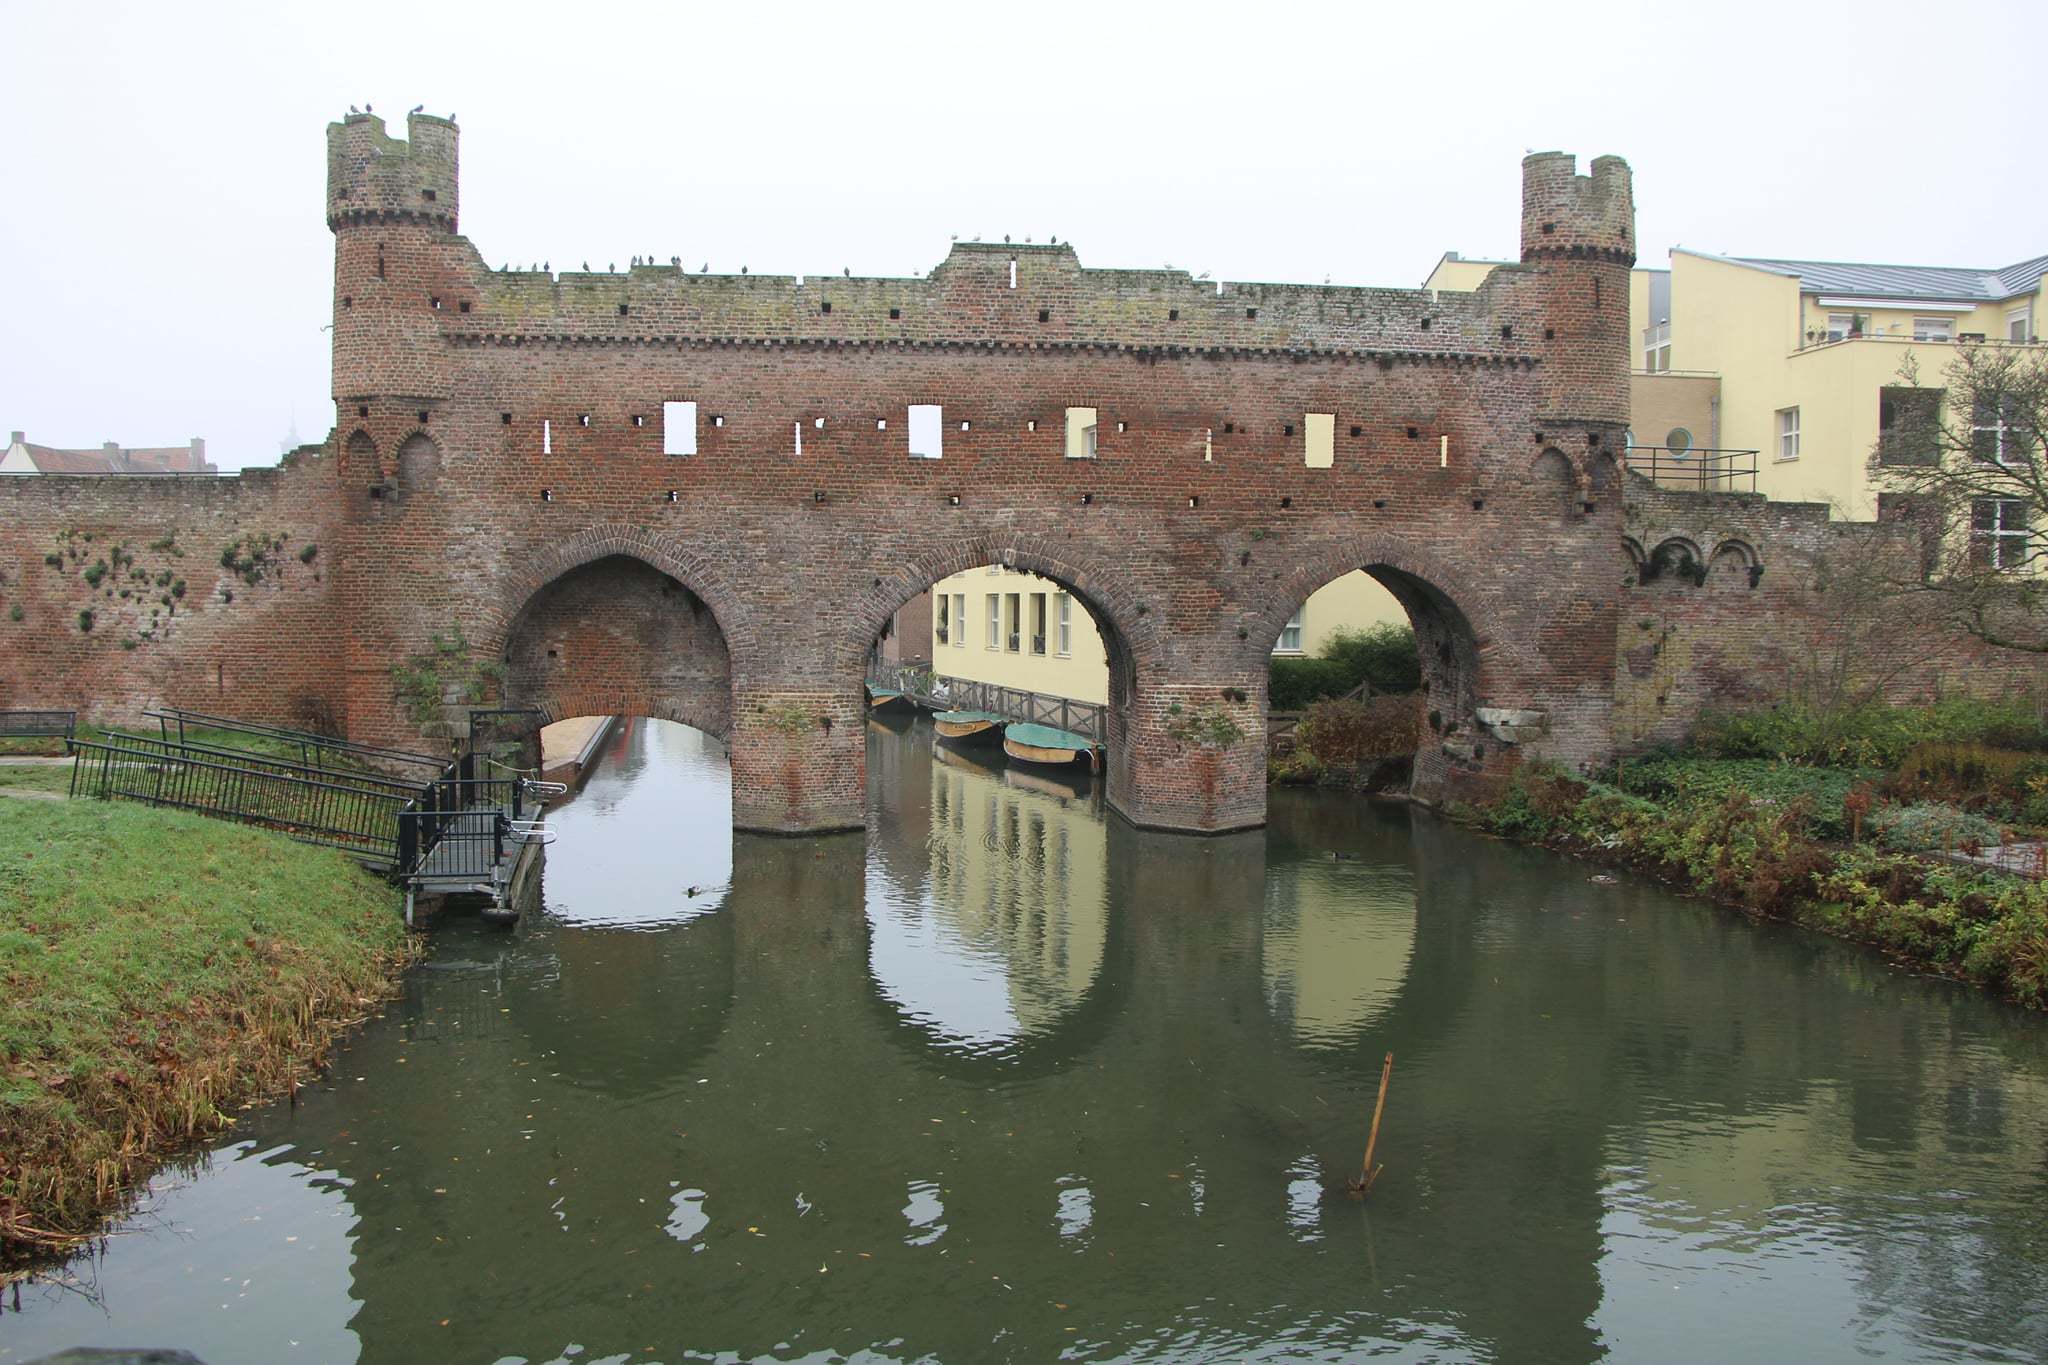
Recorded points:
(352,109)
(1006,239)
(704,269)
(367,107)
(586,267)
(676,262)
(847,271)
(548,266)
(416,109)
(743,270)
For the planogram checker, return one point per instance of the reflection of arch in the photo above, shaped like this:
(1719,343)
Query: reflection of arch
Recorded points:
(616,635)
(419,463)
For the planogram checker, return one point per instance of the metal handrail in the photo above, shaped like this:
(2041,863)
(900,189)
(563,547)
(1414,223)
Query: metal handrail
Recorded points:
(1085,718)
(341,815)
(309,743)
(355,777)
(38,725)
(1708,469)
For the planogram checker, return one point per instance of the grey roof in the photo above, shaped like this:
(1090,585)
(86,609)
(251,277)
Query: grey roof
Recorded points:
(1908,281)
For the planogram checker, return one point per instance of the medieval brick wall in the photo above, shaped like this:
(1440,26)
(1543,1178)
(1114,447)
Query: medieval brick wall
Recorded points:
(499,430)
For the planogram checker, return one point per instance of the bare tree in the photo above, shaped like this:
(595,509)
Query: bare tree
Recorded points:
(1963,463)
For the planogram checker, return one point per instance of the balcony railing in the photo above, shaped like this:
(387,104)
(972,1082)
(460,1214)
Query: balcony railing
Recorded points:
(1817,339)
(1701,469)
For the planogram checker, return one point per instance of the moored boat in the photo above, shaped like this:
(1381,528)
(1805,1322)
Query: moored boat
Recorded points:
(968,727)
(887,698)
(1043,744)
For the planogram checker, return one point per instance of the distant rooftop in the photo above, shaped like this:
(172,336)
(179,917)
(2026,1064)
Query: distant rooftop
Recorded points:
(22,456)
(1908,281)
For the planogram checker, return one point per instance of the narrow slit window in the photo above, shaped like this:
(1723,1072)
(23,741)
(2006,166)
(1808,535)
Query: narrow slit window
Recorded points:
(679,428)
(1081,433)
(1319,440)
(1013,272)
(959,620)
(1065,616)
(927,431)
(798,428)
(547,437)
(995,622)
(1038,631)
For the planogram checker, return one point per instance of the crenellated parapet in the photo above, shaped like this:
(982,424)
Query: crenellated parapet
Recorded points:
(1577,217)
(373,177)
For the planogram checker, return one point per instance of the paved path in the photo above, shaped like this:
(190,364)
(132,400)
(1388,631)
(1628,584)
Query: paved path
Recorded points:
(562,741)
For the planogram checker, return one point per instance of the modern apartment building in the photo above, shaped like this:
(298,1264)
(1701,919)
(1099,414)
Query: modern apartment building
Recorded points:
(1808,364)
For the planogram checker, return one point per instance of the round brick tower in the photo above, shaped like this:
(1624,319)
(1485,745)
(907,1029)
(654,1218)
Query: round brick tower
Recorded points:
(1579,233)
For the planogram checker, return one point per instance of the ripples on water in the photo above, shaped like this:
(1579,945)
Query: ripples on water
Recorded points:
(1005,1079)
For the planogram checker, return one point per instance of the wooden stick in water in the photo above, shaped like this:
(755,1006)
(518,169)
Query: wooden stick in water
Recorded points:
(1368,1173)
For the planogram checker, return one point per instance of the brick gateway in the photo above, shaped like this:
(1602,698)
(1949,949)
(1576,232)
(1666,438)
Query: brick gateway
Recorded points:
(497,476)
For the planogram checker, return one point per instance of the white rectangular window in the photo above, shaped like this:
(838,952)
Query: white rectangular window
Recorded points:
(1081,426)
(1319,444)
(927,430)
(547,437)
(1934,329)
(1290,635)
(1998,533)
(1038,623)
(2019,324)
(1840,325)
(1064,615)
(1788,433)
(679,428)
(1013,604)
(960,620)
(995,622)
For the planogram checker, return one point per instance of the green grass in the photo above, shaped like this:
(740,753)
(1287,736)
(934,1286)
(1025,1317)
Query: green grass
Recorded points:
(1669,778)
(155,969)
(35,777)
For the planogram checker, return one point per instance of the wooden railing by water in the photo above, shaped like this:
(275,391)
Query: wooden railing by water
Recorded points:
(1084,718)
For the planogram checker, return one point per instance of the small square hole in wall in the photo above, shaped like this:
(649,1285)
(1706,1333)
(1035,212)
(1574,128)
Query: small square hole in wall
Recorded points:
(363,411)
(547,495)
(1229,428)
(427,195)
(624,309)
(1251,312)
(1031,425)
(505,418)
(638,420)
(1173,315)
(1194,499)
(582,419)
(1287,430)
(1550,334)
(434,303)
(818,423)
(1507,333)
(1045,315)
(462,307)
(1122,427)
(423,416)
(1414,434)
(1358,431)
(881,424)
(895,313)
(348,300)
(718,421)
(1425,324)
(1379,504)
(1287,502)
(825,307)
(671,495)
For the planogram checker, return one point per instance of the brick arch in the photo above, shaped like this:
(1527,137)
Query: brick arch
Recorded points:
(696,572)
(1127,634)
(568,703)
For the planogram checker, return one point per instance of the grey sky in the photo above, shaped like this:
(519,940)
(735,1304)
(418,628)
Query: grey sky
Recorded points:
(168,270)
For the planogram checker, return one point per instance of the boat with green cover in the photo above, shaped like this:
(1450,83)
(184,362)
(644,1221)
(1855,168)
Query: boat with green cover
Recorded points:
(1043,744)
(881,698)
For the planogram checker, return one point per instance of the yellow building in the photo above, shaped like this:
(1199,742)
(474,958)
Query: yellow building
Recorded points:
(1801,362)
(1015,629)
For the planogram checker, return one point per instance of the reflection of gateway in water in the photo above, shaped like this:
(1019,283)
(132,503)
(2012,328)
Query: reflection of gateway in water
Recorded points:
(966,763)
(1008,941)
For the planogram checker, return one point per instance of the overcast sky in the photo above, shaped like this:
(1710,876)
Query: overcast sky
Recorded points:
(168,271)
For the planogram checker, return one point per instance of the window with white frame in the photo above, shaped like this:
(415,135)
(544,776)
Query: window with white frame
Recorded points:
(1657,347)
(995,621)
(1998,533)
(927,426)
(1038,623)
(960,620)
(679,428)
(1934,329)
(1996,436)
(1064,617)
(1840,325)
(2019,324)
(1788,433)
(1290,635)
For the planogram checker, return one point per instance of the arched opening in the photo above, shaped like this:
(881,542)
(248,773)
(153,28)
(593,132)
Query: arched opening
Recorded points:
(616,636)
(1011,664)
(419,463)
(1390,699)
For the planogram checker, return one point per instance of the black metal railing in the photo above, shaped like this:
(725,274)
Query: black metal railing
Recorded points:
(39,725)
(402,788)
(1084,718)
(459,815)
(1704,469)
(328,809)
(315,750)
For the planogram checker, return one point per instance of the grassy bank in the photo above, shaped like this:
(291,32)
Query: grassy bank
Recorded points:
(1757,840)
(156,970)
(54,778)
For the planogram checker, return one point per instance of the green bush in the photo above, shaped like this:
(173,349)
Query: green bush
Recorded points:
(1676,779)
(1871,735)
(1342,730)
(1932,824)
(1294,683)
(1383,656)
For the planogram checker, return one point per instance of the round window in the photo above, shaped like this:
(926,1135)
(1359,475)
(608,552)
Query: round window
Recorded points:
(1678,441)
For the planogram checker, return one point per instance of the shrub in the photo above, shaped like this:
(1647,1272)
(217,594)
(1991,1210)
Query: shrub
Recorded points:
(94,574)
(1341,730)
(1975,776)
(1871,735)
(1932,824)
(1676,779)
(1293,684)
(85,621)
(1383,656)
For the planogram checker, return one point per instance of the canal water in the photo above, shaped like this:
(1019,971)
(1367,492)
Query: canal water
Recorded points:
(1005,1079)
